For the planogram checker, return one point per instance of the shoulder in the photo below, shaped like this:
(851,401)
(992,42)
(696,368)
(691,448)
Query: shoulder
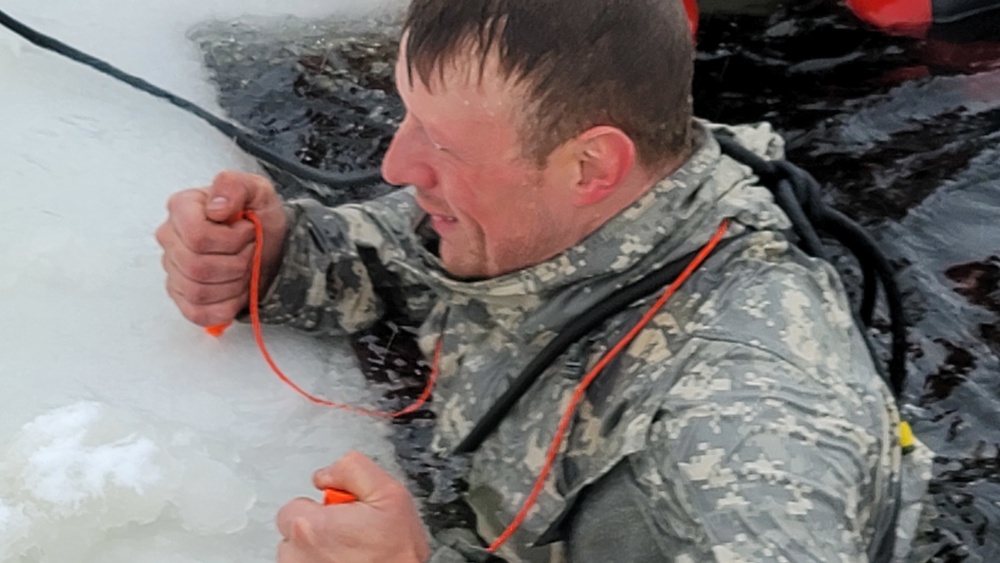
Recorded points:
(760,340)
(771,412)
(757,315)
(759,321)
(764,293)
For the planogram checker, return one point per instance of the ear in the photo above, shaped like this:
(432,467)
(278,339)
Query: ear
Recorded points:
(605,156)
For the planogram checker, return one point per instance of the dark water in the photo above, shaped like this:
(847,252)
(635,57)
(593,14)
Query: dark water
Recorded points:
(903,133)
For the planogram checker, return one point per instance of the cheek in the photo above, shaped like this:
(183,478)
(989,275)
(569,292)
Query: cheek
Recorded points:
(497,203)
(521,221)
(479,198)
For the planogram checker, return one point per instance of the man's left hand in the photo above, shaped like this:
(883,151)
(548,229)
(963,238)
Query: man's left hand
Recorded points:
(382,525)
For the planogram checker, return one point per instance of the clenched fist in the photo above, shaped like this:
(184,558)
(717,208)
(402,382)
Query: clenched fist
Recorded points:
(383,525)
(208,255)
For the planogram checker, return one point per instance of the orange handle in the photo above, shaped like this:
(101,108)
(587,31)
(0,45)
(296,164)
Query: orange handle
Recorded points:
(337,496)
(217,330)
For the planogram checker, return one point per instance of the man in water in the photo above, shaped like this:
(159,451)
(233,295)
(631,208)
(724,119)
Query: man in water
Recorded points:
(551,159)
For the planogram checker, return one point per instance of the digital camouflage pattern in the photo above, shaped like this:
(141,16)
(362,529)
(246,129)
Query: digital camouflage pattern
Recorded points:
(746,422)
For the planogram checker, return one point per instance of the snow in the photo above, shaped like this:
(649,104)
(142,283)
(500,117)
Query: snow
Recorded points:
(126,433)
(62,468)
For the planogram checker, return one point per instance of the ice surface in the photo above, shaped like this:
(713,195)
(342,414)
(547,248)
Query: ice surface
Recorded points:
(75,454)
(127,434)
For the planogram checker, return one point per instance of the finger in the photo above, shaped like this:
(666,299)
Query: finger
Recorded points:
(231,192)
(210,315)
(209,268)
(286,552)
(203,294)
(187,226)
(293,520)
(291,552)
(357,474)
(205,237)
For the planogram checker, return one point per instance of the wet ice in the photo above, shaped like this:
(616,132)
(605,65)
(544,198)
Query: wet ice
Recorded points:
(126,433)
(75,474)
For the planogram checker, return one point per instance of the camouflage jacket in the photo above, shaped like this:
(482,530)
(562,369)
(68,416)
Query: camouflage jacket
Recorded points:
(746,422)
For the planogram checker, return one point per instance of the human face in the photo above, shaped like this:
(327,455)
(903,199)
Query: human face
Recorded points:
(495,209)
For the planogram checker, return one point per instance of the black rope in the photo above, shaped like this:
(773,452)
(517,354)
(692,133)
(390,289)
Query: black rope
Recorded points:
(851,235)
(575,330)
(867,309)
(246,140)
(800,196)
(786,198)
(809,198)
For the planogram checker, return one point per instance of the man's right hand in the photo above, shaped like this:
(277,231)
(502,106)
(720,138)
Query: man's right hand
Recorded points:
(208,256)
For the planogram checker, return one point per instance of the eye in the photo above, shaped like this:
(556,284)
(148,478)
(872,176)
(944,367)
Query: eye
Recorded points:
(437,146)
(433,143)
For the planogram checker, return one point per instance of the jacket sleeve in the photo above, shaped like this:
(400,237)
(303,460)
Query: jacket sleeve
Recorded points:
(459,546)
(749,459)
(345,267)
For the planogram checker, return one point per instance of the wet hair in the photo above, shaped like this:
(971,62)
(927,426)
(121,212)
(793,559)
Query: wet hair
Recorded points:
(623,63)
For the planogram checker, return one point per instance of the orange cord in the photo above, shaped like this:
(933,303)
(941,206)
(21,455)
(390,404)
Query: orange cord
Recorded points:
(335,496)
(592,375)
(217,330)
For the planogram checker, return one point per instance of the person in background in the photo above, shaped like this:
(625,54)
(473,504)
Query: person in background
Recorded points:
(550,158)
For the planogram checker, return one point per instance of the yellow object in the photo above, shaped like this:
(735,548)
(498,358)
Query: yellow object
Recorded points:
(906,440)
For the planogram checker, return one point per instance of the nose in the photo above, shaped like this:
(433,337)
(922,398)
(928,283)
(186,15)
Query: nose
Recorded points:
(405,163)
